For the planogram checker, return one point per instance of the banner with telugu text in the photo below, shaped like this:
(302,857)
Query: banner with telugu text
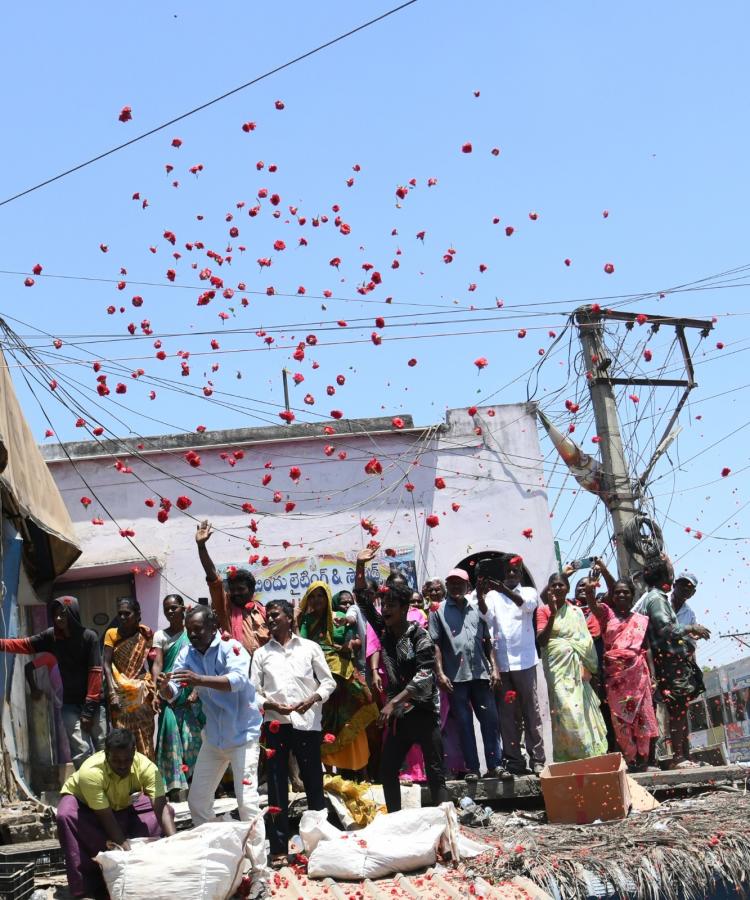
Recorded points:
(290,577)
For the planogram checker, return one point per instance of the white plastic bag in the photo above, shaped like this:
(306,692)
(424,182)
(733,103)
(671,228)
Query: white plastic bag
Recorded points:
(206,862)
(398,842)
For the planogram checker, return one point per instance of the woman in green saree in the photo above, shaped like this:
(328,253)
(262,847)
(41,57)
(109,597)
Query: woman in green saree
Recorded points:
(569,657)
(181,721)
(348,712)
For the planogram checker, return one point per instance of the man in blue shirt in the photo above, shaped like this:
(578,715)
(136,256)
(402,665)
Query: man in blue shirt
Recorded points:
(465,667)
(218,668)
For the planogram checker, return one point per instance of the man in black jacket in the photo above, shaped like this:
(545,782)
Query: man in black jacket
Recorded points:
(412,713)
(678,676)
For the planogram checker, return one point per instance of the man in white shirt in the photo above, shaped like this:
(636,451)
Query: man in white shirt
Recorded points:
(684,588)
(508,608)
(292,681)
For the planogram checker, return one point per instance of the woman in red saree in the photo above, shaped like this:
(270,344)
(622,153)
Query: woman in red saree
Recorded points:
(628,669)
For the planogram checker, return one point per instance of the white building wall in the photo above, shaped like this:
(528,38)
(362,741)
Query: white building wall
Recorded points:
(496,478)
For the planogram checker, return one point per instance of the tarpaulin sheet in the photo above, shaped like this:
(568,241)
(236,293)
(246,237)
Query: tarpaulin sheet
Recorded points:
(29,491)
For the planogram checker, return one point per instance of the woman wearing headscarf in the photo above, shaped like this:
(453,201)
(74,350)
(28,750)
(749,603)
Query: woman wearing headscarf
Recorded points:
(78,656)
(416,610)
(181,720)
(129,685)
(569,658)
(348,712)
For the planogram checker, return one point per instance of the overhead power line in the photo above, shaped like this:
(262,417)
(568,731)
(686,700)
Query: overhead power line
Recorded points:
(208,103)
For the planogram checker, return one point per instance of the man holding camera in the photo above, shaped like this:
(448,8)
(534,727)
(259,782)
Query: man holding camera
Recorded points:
(508,609)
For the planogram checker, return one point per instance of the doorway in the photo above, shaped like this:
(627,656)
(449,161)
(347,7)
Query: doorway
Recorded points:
(98,598)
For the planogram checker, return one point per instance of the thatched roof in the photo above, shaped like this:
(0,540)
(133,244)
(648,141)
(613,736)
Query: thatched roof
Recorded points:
(680,851)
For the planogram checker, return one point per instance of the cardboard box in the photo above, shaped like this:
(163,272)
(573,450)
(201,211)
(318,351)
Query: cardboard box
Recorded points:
(580,792)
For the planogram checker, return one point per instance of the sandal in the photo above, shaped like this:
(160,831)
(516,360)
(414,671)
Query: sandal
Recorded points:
(279,861)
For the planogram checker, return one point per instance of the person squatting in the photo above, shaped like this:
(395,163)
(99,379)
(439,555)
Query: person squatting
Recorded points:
(381,683)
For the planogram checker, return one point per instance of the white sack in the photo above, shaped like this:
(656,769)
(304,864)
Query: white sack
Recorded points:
(206,862)
(315,827)
(397,842)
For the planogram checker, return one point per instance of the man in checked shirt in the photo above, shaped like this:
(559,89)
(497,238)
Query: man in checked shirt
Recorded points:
(412,713)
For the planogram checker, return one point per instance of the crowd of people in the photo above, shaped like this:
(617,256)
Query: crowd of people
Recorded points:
(381,683)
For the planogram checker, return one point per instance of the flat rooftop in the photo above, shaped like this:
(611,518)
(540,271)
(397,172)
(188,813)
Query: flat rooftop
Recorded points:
(231,437)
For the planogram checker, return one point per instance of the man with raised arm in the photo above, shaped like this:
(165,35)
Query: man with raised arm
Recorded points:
(412,713)
(232,599)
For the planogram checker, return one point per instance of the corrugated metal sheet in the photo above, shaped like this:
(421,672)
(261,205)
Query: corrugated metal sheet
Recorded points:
(433,884)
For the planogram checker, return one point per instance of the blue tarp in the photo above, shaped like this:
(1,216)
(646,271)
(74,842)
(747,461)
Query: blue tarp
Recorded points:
(12,548)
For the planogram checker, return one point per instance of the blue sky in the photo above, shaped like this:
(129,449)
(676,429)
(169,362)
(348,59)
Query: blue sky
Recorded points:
(635,110)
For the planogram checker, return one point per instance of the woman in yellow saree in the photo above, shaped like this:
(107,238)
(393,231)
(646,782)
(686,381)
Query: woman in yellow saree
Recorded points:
(348,712)
(129,685)
(569,658)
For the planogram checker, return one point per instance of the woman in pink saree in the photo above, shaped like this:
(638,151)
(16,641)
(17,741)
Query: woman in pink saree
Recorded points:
(628,669)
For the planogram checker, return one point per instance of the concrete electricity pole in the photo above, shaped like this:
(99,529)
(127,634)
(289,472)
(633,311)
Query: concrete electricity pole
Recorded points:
(621,488)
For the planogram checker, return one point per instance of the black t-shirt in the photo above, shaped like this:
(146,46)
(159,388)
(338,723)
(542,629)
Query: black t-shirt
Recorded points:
(75,655)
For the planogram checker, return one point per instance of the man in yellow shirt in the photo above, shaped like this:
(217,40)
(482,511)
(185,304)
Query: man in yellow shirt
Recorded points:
(117,794)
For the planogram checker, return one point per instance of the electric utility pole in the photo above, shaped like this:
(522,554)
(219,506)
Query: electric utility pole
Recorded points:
(622,491)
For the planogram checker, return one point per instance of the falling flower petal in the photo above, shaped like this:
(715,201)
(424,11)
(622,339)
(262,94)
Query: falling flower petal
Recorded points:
(374,467)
